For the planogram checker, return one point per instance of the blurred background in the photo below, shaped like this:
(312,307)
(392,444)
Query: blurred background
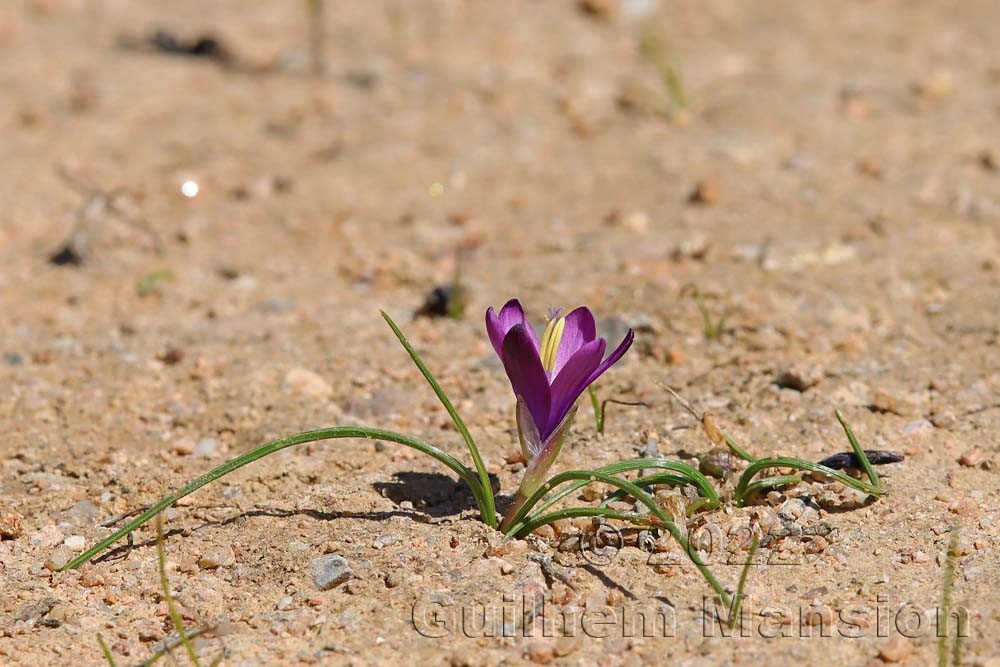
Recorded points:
(242,186)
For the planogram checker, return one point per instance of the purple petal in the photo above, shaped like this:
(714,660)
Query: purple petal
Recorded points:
(614,356)
(580,329)
(497,326)
(524,370)
(572,380)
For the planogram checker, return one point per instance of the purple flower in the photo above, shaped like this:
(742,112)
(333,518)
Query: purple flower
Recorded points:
(548,376)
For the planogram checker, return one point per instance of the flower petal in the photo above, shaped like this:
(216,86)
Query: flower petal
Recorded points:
(510,315)
(580,330)
(524,370)
(614,356)
(572,380)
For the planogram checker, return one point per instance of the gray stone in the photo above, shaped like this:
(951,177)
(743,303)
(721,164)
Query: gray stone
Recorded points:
(329,571)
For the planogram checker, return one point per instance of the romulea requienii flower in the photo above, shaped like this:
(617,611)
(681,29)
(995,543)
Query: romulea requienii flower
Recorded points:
(548,377)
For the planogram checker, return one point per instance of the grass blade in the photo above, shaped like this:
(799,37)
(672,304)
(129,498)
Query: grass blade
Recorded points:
(705,488)
(598,409)
(489,505)
(270,448)
(866,465)
(947,584)
(175,616)
(734,612)
(648,480)
(591,476)
(742,487)
(107,652)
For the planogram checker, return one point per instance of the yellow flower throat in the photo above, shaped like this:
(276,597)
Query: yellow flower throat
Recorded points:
(550,342)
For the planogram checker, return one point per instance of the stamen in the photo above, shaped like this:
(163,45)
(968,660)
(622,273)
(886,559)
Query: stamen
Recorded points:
(550,342)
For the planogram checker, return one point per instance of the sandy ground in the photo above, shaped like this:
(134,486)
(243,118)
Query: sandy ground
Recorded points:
(827,174)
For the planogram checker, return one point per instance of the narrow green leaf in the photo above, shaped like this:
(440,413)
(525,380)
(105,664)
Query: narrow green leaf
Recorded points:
(741,492)
(489,504)
(591,476)
(274,446)
(866,465)
(175,616)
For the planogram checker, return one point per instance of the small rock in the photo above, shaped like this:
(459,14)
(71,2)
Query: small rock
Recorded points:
(284,604)
(898,403)
(800,377)
(76,542)
(206,447)
(964,507)
(304,382)
(223,557)
(11,525)
(973,458)
(944,419)
(383,541)
(393,579)
(817,545)
(85,511)
(91,579)
(59,614)
(636,222)
(792,509)
(706,192)
(601,9)
(989,159)
(541,652)
(183,447)
(59,558)
(566,645)
(896,649)
(329,571)
(716,463)
(171,356)
(937,85)
(917,429)
(964,546)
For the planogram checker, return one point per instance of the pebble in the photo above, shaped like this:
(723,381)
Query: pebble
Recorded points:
(964,507)
(541,652)
(393,579)
(944,419)
(304,382)
(706,192)
(917,429)
(223,557)
(58,559)
(329,571)
(383,541)
(284,604)
(76,542)
(973,458)
(206,447)
(791,509)
(800,377)
(936,85)
(896,649)
(183,447)
(11,525)
(898,403)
